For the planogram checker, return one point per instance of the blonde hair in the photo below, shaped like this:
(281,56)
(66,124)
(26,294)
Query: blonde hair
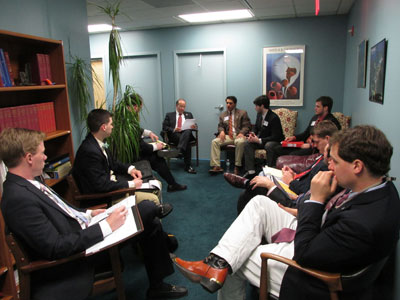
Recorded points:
(16,142)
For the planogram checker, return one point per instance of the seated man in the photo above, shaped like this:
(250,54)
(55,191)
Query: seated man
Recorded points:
(172,125)
(95,169)
(149,152)
(52,229)
(323,107)
(298,183)
(344,234)
(267,134)
(233,126)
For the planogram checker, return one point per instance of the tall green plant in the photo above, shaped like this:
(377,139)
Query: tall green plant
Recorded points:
(126,133)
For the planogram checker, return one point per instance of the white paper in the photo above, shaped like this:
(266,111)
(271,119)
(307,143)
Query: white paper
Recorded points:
(272,171)
(121,233)
(150,185)
(188,124)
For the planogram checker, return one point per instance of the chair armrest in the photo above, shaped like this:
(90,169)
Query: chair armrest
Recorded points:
(44,264)
(130,191)
(298,163)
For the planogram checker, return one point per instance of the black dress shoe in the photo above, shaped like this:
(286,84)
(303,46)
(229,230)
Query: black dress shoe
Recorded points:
(168,153)
(166,290)
(190,170)
(164,210)
(172,242)
(176,187)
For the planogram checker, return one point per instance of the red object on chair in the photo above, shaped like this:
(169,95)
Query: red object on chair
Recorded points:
(292,144)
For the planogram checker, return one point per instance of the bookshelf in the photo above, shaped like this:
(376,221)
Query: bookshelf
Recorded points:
(21,48)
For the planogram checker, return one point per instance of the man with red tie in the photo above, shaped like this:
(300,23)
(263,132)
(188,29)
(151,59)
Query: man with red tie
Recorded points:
(172,125)
(358,229)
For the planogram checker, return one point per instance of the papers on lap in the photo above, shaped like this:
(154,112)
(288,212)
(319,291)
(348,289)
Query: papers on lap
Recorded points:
(152,184)
(276,176)
(132,226)
(188,124)
(272,171)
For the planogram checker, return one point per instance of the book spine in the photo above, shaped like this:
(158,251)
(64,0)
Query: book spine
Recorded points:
(15,117)
(4,69)
(8,121)
(48,67)
(2,124)
(33,117)
(1,79)
(41,114)
(10,72)
(51,117)
(58,163)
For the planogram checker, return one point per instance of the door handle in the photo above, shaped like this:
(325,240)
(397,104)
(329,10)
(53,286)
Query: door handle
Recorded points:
(220,107)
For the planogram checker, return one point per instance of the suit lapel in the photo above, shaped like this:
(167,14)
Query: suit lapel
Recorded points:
(96,145)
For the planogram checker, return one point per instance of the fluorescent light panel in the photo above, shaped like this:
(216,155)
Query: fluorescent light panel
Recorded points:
(100,28)
(217,16)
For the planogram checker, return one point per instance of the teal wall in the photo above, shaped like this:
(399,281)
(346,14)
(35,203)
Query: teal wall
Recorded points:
(374,20)
(324,37)
(55,19)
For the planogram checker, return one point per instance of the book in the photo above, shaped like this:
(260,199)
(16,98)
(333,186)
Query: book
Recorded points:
(38,69)
(55,162)
(48,67)
(292,144)
(51,119)
(9,68)
(60,171)
(133,225)
(4,70)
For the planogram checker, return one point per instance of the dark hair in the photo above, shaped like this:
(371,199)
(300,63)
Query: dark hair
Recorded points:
(324,128)
(180,99)
(96,118)
(262,100)
(366,143)
(233,98)
(326,101)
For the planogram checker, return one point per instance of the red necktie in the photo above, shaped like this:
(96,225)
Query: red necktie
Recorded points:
(338,199)
(297,176)
(180,121)
(230,126)
(285,235)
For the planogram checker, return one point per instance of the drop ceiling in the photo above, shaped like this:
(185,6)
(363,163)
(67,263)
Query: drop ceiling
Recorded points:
(146,14)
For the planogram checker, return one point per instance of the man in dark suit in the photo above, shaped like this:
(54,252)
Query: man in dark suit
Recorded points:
(233,126)
(355,230)
(51,229)
(323,107)
(267,133)
(172,125)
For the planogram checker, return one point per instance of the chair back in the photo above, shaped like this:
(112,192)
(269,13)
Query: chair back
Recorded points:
(288,120)
(343,120)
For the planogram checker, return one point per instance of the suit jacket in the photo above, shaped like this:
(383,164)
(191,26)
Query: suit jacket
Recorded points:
(92,168)
(302,184)
(360,232)
(169,122)
(304,135)
(47,232)
(270,128)
(241,122)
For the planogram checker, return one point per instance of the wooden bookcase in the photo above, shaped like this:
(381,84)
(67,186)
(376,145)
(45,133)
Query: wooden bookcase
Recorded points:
(19,47)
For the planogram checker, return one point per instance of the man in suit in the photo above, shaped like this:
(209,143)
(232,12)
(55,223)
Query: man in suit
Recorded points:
(50,228)
(323,107)
(233,126)
(172,125)
(95,169)
(267,134)
(360,227)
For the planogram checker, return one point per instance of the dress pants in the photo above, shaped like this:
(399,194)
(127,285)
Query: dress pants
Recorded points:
(216,145)
(249,153)
(240,247)
(182,140)
(159,165)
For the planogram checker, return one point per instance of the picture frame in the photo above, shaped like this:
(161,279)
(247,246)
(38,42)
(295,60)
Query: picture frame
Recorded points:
(362,64)
(283,75)
(377,72)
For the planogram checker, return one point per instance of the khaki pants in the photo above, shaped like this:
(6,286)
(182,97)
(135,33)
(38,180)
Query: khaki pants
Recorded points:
(216,145)
(154,195)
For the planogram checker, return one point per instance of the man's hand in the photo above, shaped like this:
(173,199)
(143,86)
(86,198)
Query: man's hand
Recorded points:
(159,146)
(221,136)
(287,175)
(177,129)
(194,126)
(252,138)
(138,183)
(323,185)
(292,211)
(305,146)
(290,138)
(261,181)
(153,137)
(96,212)
(240,136)
(136,174)
(117,218)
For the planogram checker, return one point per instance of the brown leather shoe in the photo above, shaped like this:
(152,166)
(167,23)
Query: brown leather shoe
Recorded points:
(235,180)
(210,272)
(216,169)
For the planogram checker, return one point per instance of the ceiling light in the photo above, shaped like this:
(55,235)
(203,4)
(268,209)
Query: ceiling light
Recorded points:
(100,28)
(217,16)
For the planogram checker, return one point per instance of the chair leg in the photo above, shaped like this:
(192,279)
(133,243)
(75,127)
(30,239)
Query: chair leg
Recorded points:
(197,155)
(116,267)
(264,280)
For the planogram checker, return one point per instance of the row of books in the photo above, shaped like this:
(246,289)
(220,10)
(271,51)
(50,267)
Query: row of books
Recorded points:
(58,167)
(38,116)
(40,69)
(6,74)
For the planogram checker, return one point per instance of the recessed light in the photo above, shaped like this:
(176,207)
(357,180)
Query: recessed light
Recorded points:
(100,28)
(217,16)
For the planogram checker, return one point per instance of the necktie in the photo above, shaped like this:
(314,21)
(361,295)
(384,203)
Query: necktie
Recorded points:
(297,176)
(180,121)
(80,217)
(230,132)
(285,235)
(338,199)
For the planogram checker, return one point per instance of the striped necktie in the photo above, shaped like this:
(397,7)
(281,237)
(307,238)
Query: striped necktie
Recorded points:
(230,132)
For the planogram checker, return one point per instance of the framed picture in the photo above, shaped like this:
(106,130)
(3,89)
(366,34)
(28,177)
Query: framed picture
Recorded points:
(362,64)
(283,75)
(377,72)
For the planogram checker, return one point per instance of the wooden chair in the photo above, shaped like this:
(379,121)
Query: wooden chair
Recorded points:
(104,282)
(92,200)
(194,143)
(335,282)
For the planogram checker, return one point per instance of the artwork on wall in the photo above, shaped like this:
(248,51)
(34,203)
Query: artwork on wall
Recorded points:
(283,75)
(377,72)
(362,64)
